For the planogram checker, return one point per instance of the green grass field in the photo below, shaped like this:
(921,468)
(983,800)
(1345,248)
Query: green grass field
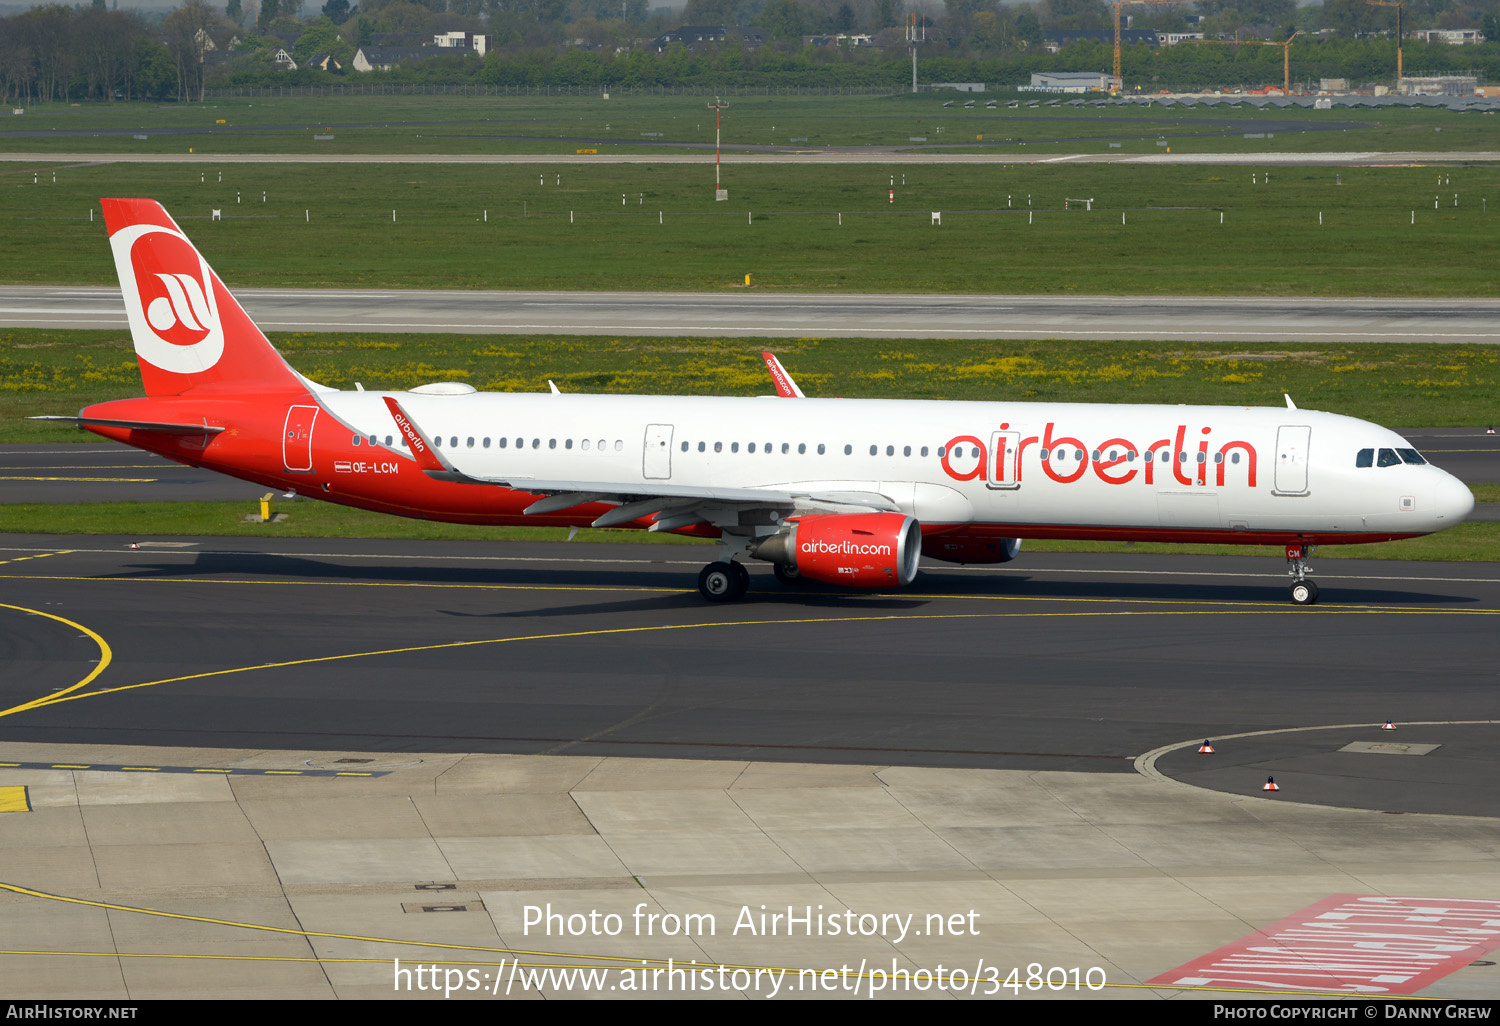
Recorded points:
(1383,231)
(373,124)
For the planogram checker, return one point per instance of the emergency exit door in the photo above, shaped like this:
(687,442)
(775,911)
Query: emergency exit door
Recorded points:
(657,462)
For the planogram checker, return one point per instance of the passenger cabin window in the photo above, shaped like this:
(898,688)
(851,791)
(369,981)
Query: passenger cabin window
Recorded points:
(1364,458)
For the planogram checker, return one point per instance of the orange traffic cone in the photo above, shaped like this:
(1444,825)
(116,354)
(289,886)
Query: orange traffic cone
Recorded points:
(1206,749)
(1270,785)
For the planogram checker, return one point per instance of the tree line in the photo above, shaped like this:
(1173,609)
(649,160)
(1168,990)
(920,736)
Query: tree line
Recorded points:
(59,53)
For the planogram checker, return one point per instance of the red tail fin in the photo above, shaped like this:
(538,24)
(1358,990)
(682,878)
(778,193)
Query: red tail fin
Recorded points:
(190,334)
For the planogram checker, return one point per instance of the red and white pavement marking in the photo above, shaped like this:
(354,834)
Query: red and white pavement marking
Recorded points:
(1352,944)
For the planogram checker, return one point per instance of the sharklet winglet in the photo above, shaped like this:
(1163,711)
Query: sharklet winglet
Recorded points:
(422,450)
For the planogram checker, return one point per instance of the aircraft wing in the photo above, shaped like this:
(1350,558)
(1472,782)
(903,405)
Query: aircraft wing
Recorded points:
(670,506)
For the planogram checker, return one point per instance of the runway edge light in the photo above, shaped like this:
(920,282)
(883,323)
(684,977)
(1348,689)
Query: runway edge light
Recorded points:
(1389,725)
(1270,785)
(1206,749)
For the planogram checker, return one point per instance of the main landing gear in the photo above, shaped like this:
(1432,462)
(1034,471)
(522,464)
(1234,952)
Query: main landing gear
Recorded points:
(724,581)
(1304,591)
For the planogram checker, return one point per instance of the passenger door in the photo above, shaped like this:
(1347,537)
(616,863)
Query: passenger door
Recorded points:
(1292,444)
(296,439)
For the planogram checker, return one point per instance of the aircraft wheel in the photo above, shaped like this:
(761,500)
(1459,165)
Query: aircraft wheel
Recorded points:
(1304,593)
(788,575)
(719,582)
(741,578)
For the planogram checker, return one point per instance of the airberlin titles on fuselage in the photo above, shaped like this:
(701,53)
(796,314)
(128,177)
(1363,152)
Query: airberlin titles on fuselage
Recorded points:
(1002,464)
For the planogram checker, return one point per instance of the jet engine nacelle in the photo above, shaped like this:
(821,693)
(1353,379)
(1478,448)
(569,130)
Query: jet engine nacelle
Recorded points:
(963,548)
(858,550)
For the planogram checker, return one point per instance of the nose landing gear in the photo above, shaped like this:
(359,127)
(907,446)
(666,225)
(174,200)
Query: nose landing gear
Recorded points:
(1304,592)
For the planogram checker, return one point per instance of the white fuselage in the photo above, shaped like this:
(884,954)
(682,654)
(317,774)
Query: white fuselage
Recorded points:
(1039,469)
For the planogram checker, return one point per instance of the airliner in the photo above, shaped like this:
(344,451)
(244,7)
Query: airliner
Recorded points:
(849,492)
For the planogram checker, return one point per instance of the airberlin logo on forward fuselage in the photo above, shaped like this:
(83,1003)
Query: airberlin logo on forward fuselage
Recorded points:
(1066,459)
(169,298)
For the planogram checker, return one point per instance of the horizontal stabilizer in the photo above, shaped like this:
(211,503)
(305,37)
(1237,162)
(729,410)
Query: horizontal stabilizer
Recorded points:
(138,425)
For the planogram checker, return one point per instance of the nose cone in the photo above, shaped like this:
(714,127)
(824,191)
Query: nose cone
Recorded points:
(1452,500)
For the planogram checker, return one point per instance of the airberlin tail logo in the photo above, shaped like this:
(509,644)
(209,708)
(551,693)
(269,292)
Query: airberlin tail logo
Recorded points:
(169,298)
(185,305)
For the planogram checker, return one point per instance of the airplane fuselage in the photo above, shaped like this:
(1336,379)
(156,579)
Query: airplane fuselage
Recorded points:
(1061,470)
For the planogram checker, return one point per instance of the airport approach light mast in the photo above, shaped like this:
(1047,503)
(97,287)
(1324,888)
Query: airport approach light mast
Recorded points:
(720,193)
(916,32)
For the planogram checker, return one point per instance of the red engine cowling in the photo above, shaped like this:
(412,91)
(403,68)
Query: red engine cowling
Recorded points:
(858,550)
(966,548)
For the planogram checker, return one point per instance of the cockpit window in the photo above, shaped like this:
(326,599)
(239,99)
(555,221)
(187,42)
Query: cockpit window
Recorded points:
(1365,458)
(1411,456)
(1388,458)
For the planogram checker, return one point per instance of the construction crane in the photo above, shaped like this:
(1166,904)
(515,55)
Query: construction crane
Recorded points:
(1286,54)
(1117,82)
(1399,6)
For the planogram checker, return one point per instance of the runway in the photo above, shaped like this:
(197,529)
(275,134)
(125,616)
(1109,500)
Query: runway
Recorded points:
(831,155)
(752,314)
